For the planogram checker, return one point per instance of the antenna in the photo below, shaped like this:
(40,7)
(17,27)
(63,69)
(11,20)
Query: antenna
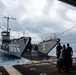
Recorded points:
(8,21)
(23,33)
(54,35)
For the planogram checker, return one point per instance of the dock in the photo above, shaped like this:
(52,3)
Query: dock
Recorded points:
(35,69)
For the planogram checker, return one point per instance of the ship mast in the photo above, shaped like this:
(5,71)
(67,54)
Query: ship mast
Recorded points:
(7,17)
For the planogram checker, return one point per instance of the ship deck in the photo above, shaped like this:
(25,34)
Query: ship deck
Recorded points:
(35,69)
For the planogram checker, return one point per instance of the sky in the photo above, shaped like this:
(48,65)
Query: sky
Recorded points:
(39,19)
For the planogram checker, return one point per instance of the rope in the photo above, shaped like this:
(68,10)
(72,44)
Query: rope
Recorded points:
(65,31)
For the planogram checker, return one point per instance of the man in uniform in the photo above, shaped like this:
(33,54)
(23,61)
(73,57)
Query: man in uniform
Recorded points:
(58,50)
(70,54)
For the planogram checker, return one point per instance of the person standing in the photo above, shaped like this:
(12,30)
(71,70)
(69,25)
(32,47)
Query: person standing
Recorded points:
(58,50)
(70,54)
(64,56)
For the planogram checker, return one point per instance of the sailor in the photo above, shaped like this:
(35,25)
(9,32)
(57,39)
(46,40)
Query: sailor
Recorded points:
(65,57)
(30,45)
(62,59)
(70,54)
(58,50)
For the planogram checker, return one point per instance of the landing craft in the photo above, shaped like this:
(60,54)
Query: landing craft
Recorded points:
(22,47)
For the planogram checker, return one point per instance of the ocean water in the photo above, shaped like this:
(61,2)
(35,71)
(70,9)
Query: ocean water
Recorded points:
(6,60)
(11,60)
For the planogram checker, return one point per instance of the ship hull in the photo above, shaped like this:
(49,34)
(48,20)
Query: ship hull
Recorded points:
(19,48)
(15,48)
(47,45)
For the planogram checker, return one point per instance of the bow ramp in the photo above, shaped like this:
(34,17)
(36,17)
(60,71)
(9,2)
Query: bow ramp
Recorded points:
(18,47)
(47,45)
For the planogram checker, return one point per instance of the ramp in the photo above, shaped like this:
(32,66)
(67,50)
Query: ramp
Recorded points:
(47,45)
(17,48)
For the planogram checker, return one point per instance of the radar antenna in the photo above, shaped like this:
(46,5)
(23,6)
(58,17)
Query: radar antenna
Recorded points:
(7,17)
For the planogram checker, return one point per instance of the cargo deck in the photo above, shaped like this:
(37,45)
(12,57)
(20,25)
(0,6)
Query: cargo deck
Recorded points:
(35,69)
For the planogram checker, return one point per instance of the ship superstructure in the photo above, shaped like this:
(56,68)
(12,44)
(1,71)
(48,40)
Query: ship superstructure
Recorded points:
(14,46)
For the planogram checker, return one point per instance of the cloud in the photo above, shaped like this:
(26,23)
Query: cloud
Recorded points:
(71,14)
(39,19)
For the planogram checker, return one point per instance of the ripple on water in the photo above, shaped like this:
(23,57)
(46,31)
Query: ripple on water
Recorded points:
(11,60)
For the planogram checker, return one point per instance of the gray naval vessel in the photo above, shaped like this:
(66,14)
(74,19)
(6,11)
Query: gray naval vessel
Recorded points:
(41,50)
(22,47)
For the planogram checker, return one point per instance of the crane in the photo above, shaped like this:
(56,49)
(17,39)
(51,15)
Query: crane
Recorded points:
(7,17)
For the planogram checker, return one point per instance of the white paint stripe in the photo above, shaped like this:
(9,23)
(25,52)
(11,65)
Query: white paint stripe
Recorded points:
(11,70)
